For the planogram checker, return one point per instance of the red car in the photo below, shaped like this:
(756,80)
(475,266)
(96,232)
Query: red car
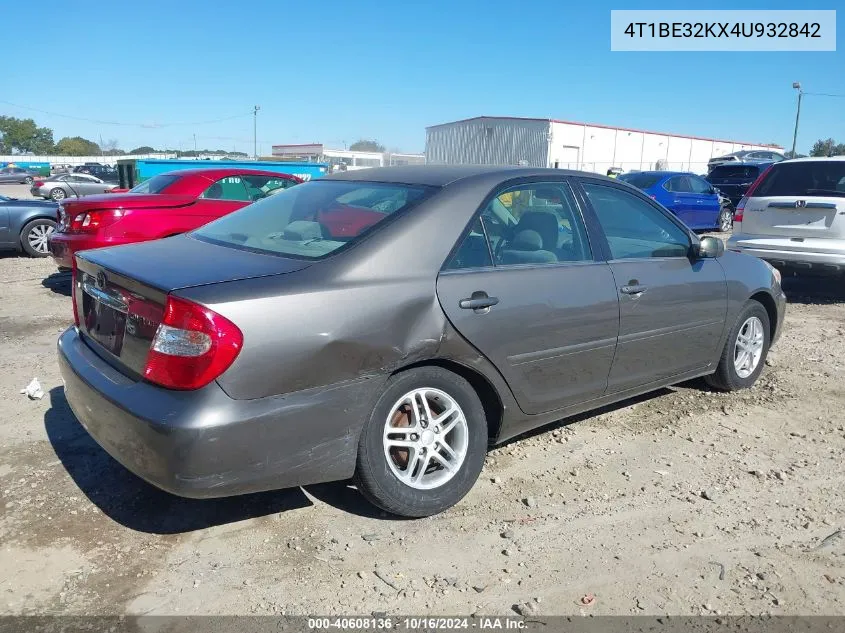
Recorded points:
(164,205)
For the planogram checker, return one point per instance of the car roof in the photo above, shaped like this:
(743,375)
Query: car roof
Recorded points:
(745,163)
(442,175)
(810,159)
(220,172)
(658,172)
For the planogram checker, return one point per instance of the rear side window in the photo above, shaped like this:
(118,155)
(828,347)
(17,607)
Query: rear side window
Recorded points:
(734,172)
(641,181)
(313,219)
(229,188)
(156,184)
(804,178)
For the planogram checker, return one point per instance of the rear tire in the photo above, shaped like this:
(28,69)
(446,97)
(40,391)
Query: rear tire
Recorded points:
(57,194)
(34,237)
(402,457)
(744,354)
(27,180)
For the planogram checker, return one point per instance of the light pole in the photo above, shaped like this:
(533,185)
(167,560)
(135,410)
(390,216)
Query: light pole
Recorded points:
(255,132)
(797,87)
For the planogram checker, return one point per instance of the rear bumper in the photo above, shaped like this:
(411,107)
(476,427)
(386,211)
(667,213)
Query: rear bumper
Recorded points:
(63,246)
(811,254)
(204,444)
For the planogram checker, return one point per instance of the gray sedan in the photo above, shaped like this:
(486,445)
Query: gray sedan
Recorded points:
(64,186)
(25,225)
(389,324)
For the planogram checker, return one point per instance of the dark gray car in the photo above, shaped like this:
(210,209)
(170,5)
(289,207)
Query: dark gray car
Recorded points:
(25,225)
(389,324)
(17,175)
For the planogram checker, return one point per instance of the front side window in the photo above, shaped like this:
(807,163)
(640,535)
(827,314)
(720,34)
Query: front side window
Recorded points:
(699,185)
(537,223)
(258,187)
(312,219)
(678,184)
(634,228)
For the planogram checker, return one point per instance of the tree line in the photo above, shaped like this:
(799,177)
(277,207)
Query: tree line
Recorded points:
(24,136)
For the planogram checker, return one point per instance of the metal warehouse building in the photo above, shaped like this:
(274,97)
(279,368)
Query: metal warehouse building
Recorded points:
(570,145)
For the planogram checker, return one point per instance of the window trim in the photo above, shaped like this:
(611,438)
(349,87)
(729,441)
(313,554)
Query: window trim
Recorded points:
(502,187)
(693,238)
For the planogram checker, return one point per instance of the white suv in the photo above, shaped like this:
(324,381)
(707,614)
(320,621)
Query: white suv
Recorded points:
(793,216)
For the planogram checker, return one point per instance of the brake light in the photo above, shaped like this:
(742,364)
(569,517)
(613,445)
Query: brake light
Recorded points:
(91,221)
(740,206)
(38,183)
(193,345)
(73,291)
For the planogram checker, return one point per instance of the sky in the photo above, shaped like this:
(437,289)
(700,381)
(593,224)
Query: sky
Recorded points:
(157,73)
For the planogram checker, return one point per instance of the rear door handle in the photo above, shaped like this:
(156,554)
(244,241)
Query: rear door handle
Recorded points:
(633,290)
(478,301)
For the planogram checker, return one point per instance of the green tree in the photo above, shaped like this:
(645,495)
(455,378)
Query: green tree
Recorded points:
(77,146)
(23,136)
(827,147)
(144,149)
(364,145)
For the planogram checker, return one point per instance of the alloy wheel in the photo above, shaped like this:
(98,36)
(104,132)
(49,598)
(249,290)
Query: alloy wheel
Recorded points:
(38,237)
(748,348)
(426,438)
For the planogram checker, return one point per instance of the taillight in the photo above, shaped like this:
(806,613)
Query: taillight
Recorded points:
(93,220)
(73,291)
(192,346)
(740,206)
(38,183)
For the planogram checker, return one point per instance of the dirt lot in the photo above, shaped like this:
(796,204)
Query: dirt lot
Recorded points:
(684,502)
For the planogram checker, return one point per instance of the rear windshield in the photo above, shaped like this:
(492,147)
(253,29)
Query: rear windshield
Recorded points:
(313,219)
(734,172)
(805,178)
(641,181)
(156,184)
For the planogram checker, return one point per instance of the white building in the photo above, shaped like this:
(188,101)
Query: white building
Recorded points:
(344,158)
(569,145)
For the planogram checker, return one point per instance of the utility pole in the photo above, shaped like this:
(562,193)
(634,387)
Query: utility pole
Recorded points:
(195,143)
(255,132)
(797,86)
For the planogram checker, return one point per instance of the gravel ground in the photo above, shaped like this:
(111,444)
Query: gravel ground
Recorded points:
(683,502)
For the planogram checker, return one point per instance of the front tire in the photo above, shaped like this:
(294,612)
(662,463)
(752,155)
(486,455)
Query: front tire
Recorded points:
(34,237)
(744,354)
(726,219)
(424,445)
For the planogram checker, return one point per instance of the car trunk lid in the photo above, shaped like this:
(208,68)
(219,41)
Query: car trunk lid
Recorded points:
(120,293)
(801,199)
(70,208)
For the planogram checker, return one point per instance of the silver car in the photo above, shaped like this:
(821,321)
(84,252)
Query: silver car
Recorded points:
(794,216)
(70,186)
(746,155)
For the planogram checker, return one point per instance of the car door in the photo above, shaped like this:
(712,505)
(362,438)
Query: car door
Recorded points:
(524,287)
(8,175)
(221,197)
(5,232)
(707,207)
(681,198)
(672,308)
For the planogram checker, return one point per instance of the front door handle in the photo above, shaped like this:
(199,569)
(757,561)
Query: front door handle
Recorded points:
(478,301)
(636,289)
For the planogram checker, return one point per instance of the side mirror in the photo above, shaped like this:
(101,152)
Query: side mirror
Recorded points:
(709,248)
